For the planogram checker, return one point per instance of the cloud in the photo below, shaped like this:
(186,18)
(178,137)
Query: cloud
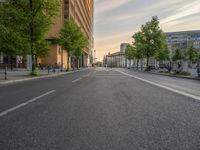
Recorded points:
(116,21)
(112,37)
(109,5)
(187,10)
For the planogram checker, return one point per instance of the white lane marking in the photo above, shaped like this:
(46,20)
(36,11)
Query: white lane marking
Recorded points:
(24,104)
(162,86)
(87,75)
(76,80)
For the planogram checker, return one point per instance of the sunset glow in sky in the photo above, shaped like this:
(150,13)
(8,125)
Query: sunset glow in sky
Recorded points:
(117,20)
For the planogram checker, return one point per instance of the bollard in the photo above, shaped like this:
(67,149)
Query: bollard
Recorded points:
(48,70)
(5,71)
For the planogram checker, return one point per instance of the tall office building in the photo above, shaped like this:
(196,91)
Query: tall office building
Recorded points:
(183,40)
(81,11)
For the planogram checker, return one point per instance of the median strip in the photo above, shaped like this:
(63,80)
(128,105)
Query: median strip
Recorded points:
(161,86)
(24,104)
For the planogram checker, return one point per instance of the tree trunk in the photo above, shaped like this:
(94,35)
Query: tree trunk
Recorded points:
(11,63)
(68,60)
(141,63)
(33,61)
(31,38)
(147,66)
(137,64)
(36,61)
(62,60)
(78,60)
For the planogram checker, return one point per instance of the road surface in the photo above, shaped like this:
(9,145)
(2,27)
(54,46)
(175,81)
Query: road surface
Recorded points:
(101,109)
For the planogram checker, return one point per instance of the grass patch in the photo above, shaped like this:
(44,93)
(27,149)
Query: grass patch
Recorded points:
(34,73)
(185,73)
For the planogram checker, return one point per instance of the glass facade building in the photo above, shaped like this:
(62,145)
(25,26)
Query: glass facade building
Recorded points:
(81,11)
(183,40)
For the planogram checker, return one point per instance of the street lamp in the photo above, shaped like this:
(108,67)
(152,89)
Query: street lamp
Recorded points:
(94,56)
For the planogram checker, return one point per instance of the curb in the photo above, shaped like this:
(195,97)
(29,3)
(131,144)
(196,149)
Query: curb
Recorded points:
(37,78)
(176,76)
(169,75)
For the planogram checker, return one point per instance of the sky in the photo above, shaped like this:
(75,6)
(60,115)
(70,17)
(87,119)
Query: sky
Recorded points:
(115,21)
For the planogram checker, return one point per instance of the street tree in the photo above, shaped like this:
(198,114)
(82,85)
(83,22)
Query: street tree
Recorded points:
(129,53)
(12,41)
(193,55)
(139,49)
(69,38)
(42,48)
(162,55)
(152,39)
(31,20)
(178,55)
(82,44)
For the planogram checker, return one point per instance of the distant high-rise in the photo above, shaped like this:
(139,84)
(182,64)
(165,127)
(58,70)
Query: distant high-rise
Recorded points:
(81,11)
(123,47)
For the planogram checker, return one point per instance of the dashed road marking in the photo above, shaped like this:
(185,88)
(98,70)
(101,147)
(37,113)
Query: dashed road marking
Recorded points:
(76,80)
(87,75)
(24,104)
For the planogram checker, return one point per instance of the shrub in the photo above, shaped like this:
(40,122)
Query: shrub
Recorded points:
(34,73)
(184,73)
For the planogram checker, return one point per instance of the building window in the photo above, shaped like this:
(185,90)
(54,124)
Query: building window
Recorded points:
(66,1)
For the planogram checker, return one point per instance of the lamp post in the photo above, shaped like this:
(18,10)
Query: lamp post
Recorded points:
(95,58)
(5,71)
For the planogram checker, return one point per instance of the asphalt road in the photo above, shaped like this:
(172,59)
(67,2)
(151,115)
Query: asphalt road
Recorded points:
(101,109)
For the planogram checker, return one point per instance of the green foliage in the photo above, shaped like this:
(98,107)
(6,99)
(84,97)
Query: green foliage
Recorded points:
(129,52)
(42,48)
(72,39)
(26,22)
(178,55)
(82,44)
(162,54)
(34,73)
(193,55)
(11,43)
(99,64)
(151,41)
(138,43)
(68,36)
(184,73)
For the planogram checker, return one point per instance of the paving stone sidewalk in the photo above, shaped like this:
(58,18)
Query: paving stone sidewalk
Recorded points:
(23,75)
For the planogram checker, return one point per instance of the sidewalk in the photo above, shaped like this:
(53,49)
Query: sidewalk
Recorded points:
(169,74)
(16,76)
